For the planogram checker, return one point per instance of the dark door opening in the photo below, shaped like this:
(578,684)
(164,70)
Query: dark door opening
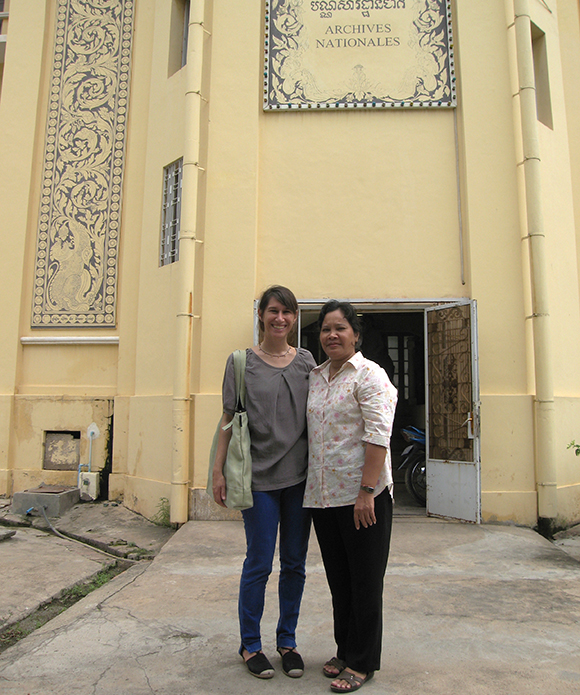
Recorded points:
(394,340)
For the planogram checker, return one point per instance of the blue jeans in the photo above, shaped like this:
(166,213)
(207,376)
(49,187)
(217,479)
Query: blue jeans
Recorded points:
(283,507)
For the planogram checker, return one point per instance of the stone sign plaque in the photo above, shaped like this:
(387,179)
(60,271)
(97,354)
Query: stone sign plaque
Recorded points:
(332,54)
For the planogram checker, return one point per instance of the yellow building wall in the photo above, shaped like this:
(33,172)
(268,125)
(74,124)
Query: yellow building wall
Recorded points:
(87,370)
(326,227)
(34,415)
(569,463)
(507,476)
(560,187)
(142,451)
(568,27)
(362,205)
(569,428)
(19,107)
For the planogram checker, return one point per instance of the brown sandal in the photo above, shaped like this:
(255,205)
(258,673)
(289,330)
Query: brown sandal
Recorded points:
(354,682)
(334,663)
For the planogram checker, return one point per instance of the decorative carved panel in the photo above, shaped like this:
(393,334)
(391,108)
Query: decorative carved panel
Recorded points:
(80,210)
(450,384)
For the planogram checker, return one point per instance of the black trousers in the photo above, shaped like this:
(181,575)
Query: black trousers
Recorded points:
(355,563)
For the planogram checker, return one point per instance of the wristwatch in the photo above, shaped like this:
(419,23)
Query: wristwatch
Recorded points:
(367,488)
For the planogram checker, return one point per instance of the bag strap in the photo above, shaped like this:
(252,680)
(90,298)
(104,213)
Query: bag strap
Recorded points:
(240,375)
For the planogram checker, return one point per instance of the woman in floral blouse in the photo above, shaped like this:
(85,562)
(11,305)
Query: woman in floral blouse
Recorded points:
(351,408)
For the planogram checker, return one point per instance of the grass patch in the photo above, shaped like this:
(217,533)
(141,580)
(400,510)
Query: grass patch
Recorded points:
(162,516)
(51,609)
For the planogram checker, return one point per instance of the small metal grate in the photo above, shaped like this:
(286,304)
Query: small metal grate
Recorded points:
(171,213)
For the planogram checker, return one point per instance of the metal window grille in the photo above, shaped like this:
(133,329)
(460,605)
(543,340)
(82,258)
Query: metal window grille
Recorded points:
(171,214)
(3,27)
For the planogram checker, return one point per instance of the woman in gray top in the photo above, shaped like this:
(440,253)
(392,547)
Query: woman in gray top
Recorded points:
(276,391)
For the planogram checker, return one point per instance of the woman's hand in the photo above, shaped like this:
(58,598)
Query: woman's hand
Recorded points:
(364,507)
(364,510)
(219,488)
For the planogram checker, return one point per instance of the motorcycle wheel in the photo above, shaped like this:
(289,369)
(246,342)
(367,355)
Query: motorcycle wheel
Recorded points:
(416,478)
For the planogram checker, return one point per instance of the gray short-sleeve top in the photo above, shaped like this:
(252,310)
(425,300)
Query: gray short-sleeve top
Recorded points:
(276,405)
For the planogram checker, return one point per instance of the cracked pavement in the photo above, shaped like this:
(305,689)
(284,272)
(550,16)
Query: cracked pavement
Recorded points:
(468,610)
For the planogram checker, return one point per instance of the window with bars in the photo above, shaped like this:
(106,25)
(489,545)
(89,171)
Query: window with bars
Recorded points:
(171,213)
(3,32)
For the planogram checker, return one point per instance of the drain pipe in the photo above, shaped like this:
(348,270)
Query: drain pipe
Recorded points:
(545,455)
(185,269)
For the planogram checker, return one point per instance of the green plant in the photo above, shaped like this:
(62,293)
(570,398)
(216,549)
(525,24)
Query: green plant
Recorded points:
(574,446)
(161,518)
(78,591)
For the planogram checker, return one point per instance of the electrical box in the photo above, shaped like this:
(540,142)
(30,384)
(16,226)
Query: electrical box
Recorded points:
(89,485)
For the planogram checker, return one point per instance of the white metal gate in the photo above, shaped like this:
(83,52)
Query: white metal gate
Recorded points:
(453,408)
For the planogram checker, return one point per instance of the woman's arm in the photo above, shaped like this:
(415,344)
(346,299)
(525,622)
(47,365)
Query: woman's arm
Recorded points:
(377,399)
(219,482)
(364,507)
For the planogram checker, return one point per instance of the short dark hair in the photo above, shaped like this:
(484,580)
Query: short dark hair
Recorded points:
(283,295)
(349,313)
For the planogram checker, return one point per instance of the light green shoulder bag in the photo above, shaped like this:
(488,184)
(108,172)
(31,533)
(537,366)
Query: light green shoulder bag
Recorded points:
(238,465)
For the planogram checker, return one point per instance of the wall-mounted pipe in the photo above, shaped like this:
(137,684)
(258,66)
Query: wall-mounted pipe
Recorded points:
(185,268)
(544,419)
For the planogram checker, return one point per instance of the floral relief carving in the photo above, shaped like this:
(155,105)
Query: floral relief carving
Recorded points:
(78,231)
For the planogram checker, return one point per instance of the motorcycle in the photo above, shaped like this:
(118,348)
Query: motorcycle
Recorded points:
(414,460)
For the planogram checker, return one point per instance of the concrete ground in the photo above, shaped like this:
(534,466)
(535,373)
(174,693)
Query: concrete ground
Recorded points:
(37,566)
(468,610)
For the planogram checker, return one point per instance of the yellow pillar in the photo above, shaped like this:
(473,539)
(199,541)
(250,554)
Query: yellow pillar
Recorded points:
(545,455)
(185,268)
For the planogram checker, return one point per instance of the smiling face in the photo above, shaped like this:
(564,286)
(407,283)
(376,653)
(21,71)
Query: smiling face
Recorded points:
(278,320)
(338,338)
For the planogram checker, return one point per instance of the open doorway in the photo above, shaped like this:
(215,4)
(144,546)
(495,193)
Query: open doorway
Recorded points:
(395,341)
(429,349)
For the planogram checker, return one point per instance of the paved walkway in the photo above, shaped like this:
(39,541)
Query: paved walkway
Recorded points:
(482,610)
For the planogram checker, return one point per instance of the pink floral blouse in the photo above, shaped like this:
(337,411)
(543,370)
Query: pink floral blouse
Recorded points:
(354,407)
